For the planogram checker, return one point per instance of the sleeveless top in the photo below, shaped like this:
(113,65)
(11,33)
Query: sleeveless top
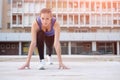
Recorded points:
(48,33)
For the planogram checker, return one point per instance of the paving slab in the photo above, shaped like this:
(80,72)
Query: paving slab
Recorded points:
(93,70)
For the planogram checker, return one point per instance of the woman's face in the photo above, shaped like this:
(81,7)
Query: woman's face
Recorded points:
(45,19)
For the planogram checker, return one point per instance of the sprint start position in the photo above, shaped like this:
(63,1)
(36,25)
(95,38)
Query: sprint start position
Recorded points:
(45,29)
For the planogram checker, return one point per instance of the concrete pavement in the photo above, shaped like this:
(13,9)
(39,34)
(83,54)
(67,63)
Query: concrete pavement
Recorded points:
(109,68)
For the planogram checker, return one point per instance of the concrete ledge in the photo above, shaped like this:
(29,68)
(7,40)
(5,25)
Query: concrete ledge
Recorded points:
(66,58)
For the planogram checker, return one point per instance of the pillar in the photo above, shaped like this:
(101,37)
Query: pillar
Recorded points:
(69,48)
(94,48)
(118,48)
(20,48)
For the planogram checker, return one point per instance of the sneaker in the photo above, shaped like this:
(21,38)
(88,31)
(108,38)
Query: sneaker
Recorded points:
(49,60)
(42,65)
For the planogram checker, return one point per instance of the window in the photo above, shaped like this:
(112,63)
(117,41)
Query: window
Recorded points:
(87,19)
(14,19)
(115,22)
(97,6)
(2,46)
(81,19)
(19,19)
(60,4)
(14,3)
(118,6)
(8,25)
(31,7)
(26,7)
(7,46)
(114,6)
(104,6)
(65,19)
(92,6)
(64,46)
(37,8)
(119,22)
(26,20)
(70,6)
(75,4)
(98,19)
(75,19)
(13,46)
(109,21)
(93,19)
(70,19)
(115,19)
(19,4)
(53,4)
(42,4)
(82,6)
(60,19)
(31,19)
(105,48)
(109,6)
(64,5)
(87,6)
(104,19)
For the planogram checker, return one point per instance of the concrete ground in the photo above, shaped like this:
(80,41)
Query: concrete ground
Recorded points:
(81,68)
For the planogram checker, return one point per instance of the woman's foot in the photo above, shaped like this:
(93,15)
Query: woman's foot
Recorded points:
(49,60)
(42,65)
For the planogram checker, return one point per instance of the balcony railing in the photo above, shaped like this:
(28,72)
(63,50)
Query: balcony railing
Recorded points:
(65,36)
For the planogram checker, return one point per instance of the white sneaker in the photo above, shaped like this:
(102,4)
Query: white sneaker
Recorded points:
(49,60)
(42,65)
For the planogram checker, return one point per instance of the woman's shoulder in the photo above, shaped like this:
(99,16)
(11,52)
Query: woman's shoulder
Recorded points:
(53,19)
(35,25)
(56,24)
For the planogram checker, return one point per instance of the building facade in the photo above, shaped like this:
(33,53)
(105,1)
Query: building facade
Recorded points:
(88,27)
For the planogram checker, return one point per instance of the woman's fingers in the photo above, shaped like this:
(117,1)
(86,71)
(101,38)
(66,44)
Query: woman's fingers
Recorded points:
(63,67)
(24,67)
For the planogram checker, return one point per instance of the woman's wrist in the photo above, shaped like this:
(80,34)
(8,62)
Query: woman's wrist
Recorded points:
(60,62)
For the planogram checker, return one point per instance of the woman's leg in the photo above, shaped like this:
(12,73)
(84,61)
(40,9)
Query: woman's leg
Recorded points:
(49,40)
(40,44)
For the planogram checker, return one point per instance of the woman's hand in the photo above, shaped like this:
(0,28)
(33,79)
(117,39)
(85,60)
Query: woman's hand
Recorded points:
(25,66)
(62,66)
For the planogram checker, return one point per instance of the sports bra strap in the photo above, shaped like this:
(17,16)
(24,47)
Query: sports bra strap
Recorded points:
(53,21)
(39,22)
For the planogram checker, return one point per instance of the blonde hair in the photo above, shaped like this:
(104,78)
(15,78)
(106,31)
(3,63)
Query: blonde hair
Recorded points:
(46,10)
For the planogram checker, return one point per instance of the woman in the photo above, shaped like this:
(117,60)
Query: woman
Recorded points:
(45,29)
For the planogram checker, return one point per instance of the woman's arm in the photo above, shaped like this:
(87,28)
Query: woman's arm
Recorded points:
(58,46)
(33,42)
(32,45)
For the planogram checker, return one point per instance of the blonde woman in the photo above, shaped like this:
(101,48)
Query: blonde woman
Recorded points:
(45,29)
